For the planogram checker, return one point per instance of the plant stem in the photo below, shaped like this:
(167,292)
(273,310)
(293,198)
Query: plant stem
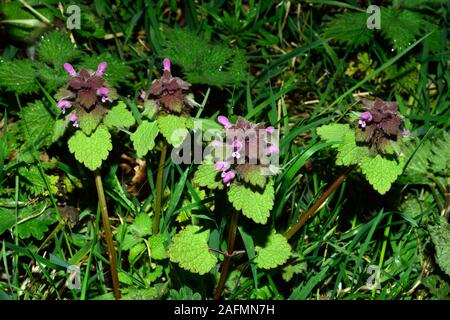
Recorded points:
(228,255)
(159,188)
(108,234)
(317,204)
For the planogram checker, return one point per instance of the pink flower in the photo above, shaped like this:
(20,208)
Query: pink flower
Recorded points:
(215,143)
(272,149)
(236,155)
(101,69)
(142,96)
(366,116)
(405,132)
(222,165)
(166,64)
(73,117)
(270,130)
(227,177)
(237,144)
(224,121)
(103,91)
(70,69)
(63,105)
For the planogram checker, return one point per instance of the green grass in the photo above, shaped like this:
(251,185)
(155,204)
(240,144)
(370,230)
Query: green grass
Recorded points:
(296,82)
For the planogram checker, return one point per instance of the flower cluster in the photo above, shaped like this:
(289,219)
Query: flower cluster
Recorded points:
(85,92)
(245,152)
(380,124)
(170,94)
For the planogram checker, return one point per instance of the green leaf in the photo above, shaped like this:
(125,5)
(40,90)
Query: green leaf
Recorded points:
(144,137)
(89,122)
(334,132)
(290,270)
(401,27)
(142,225)
(136,252)
(189,248)
(173,128)
(59,129)
(253,176)
(351,28)
(440,234)
(157,248)
(18,76)
(7,219)
(36,227)
(440,161)
(255,204)
(129,241)
(119,116)
(56,48)
(37,124)
(275,252)
(204,62)
(348,152)
(91,151)
(206,176)
(185,293)
(381,172)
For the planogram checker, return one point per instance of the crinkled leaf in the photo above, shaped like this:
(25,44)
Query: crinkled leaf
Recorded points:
(37,123)
(142,225)
(334,132)
(173,128)
(440,234)
(56,48)
(119,116)
(254,203)
(18,76)
(91,151)
(381,172)
(275,252)
(144,137)
(189,248)
(348,152)
(59,129)
(89,122)
(157,248)
(206,176)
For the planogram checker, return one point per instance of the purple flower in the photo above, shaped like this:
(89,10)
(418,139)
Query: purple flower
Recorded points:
(70,69)
(227,177)
(380,125)
(170,93)
(236,144)
(73,118)
(63,105)
(272,149)
(245,148)
(103,91)
(222,165)
(166,64)
(367,116)
(143,95)
(405,132)
(215,143)
(270,130)
(101,69)
(224,121)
